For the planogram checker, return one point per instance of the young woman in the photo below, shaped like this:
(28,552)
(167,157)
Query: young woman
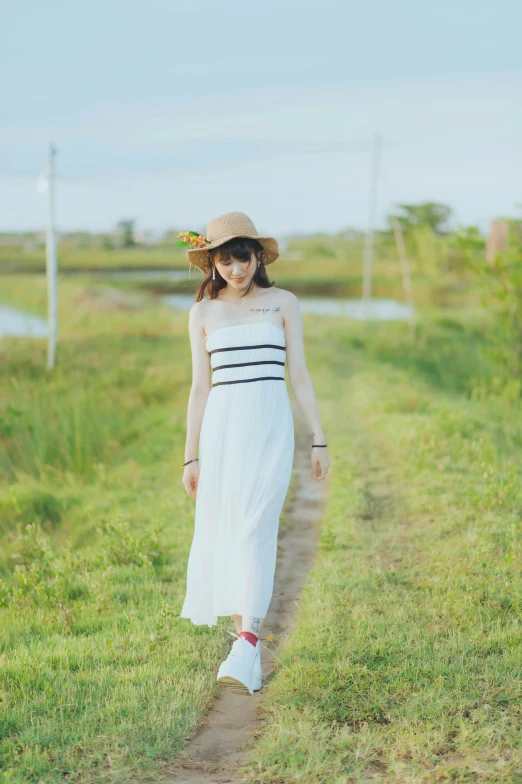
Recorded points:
(242,330)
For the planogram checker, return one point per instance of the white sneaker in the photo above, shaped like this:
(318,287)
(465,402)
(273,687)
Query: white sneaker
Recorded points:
(258,672)
(241,670)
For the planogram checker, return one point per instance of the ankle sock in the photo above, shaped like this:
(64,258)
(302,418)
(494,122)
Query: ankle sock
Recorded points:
(250,637)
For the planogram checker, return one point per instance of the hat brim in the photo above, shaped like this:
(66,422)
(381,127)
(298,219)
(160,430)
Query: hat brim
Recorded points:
(200,256)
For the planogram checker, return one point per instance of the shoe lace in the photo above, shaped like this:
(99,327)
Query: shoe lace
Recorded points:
(260,643)
(235,652)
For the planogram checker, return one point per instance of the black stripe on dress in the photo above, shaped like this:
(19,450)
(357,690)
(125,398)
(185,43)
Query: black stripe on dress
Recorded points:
(244,364)
(241,348)
(246,380)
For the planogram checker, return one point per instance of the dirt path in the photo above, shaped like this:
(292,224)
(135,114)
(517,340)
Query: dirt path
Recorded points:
(213,755)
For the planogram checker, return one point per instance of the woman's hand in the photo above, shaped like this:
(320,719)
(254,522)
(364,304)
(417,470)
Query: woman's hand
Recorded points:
(320,462)
(191,478)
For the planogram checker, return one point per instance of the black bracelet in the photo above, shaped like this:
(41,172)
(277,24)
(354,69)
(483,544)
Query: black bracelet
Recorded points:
(319,445)
(191,461)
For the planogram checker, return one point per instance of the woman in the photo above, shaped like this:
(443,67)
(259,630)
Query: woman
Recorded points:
(239,411)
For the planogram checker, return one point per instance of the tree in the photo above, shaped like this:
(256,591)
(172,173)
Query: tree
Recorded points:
(126,229)
(429,213)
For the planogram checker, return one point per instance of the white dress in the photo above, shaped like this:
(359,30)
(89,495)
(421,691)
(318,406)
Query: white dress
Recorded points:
(246,451)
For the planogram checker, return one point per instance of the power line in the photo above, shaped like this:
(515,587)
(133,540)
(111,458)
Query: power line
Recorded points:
(291,146)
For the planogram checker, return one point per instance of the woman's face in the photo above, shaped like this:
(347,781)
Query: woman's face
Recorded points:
(236,272)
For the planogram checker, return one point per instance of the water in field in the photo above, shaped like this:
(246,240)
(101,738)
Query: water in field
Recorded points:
(15,323)
(372,310)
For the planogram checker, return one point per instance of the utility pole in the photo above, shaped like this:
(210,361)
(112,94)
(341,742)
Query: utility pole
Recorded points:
(51,263)
(369,237)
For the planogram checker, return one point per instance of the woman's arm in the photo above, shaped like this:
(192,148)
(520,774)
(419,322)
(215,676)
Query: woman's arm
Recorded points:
(301,382)
(199,391)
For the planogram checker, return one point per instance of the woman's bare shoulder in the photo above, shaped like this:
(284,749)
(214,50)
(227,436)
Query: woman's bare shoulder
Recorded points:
(290,309)
(201,307)
(288,298)
(198,313)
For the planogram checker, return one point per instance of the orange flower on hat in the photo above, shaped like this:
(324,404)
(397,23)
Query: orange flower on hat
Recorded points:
(191,239)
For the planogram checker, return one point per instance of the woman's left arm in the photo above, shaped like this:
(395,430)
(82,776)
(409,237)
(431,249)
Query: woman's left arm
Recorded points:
(301,382)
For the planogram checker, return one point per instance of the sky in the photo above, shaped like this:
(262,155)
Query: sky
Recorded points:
(172,113)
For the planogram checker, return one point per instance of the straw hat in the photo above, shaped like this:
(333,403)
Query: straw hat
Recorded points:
(227,227)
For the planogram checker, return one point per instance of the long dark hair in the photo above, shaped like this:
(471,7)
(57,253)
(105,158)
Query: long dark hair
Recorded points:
(239,248)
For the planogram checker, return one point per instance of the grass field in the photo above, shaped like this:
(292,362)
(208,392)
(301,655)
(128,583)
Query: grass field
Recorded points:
(16,259)
(405,663)
(313,265)
(100,679)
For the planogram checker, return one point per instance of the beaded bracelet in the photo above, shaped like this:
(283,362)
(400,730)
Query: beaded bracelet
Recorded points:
(191,461)
(319,445)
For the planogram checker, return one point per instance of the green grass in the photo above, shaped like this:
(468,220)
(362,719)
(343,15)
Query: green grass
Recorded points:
(100,679)
(405,661)
(15,259)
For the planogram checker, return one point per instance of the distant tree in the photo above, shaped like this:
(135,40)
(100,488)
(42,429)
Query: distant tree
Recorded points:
(429,213)
(126,230)
(464,249)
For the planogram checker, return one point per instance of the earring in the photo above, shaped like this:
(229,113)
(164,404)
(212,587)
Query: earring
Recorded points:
(213,273)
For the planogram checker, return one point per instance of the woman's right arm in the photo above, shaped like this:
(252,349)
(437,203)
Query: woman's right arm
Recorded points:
(199,391)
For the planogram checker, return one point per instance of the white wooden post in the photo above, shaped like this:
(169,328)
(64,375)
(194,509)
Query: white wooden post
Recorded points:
(369,237)
(51,264)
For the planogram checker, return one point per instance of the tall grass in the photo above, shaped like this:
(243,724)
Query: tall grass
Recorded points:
(44,429)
